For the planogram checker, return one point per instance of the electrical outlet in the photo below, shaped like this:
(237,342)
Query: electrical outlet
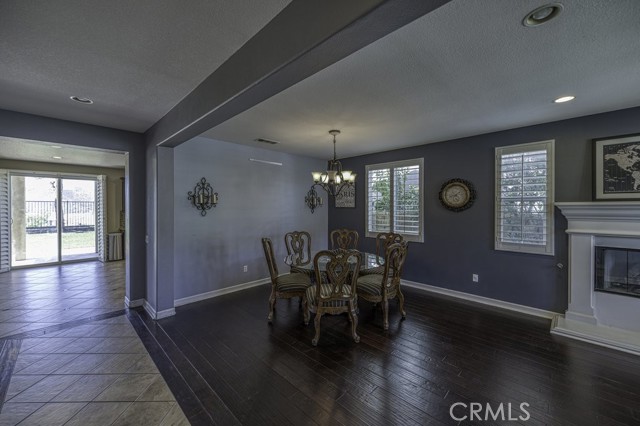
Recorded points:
(245,268)
(475,278)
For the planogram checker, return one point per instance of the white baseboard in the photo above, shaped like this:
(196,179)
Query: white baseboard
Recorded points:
(156,315)
(220,292)
(481,299)
(133,303)
(609,337)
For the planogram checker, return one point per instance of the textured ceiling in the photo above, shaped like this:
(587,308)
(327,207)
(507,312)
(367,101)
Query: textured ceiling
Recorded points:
(470,67)
(26,150)
(135,59)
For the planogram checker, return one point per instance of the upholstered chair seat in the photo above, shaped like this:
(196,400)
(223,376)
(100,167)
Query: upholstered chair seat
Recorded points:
(334,291)
(283,286)
(378,288)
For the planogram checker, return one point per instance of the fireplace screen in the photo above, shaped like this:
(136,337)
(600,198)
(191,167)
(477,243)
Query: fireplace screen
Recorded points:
(618,271)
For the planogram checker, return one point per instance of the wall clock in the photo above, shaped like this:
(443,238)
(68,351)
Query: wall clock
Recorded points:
(457,194)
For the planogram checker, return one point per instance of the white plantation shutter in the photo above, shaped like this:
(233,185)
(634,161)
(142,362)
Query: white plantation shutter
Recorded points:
(394,199)
(5,222)
(378,185)
(101,220)
(524,198)
(406,200)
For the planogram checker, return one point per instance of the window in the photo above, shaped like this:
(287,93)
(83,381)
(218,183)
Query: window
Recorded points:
(524,198)
(394,199)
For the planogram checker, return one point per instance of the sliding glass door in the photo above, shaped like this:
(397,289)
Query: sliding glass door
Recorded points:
(34,220)
(78,230)
(53,219)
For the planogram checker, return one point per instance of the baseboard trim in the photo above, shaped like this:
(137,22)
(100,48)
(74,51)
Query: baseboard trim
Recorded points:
(133,303)
(215,293)
(156,315)
(620,340)
(481,299)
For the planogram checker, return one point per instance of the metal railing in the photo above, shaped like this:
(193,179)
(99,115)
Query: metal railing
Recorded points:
(77,216)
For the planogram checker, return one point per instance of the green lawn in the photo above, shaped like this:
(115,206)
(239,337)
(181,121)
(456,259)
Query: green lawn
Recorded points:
(70,241)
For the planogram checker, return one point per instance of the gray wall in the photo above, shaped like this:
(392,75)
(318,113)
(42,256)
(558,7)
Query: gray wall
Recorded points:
(256,200)
(457,245)
(27,126)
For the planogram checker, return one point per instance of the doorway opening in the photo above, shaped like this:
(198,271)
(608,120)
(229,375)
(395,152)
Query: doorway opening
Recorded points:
(54,219)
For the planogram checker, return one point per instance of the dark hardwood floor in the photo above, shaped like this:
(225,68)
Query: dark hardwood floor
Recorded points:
(240,370)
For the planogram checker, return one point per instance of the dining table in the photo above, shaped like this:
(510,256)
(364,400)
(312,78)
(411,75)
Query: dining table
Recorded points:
(369,261)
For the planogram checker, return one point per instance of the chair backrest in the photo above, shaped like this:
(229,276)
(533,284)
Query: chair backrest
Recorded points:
(384,240)
(298,245)
(393,262)
(267,245)
(345,239)
(341,269)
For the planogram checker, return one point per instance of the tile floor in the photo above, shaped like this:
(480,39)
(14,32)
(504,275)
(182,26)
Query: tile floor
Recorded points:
(92,372)
(39,297)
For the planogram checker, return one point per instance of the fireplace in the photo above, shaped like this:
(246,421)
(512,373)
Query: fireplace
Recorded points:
(617,270)
(604,270)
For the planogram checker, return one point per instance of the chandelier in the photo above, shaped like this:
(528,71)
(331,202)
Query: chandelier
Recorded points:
(334,179)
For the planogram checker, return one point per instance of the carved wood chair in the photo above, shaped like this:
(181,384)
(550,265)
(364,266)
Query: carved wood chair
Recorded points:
(285,286)
(378,288)
(298,245)
(383,241)
(346,239)
(338,293)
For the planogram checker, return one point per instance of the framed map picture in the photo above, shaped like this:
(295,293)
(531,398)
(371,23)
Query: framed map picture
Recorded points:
(347,197)
(616,165)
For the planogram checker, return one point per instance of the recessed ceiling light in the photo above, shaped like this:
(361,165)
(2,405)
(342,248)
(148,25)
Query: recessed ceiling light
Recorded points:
(56,146)
(564,99)
(81,100)
(542,14)
(57,157)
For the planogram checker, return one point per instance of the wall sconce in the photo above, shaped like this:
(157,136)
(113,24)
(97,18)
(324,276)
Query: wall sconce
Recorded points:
(202,197)
(312,199)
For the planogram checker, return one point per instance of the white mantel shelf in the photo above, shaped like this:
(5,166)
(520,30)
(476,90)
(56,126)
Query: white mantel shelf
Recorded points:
(601,318)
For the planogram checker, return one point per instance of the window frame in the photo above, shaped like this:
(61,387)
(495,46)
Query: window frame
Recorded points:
(549,248)
(391,166)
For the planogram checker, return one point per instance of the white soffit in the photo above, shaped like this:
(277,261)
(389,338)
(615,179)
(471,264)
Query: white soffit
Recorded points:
(134,59)
(28,150)
(469,67)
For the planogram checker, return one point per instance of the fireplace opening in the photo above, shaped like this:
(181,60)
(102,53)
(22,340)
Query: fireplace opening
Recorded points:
(617,271)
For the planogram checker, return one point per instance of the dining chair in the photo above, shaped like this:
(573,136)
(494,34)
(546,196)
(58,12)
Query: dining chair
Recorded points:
(283,286)
(298,244)
(346,239)
(383,241)
(378,288)
(337,293)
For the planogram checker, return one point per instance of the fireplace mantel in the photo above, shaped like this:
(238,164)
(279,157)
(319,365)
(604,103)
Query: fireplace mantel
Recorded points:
(606,319)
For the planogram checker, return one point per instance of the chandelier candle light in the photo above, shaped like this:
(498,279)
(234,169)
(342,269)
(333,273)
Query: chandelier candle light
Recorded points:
(334,179)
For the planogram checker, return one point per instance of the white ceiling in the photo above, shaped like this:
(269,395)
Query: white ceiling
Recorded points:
(467,68)
(27,150)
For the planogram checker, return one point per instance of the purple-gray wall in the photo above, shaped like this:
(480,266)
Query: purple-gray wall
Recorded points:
(255,200)
(457,245)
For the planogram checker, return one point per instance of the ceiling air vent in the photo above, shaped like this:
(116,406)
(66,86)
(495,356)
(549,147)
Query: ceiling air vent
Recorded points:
(270,142)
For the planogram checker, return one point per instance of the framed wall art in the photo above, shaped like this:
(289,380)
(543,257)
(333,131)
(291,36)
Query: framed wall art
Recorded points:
(347,197)
(616,168)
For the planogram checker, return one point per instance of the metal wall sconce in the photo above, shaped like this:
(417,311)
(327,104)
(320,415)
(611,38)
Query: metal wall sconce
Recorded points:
(202,197)
(312,199)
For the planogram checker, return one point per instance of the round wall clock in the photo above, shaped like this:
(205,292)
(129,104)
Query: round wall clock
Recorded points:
(457,194)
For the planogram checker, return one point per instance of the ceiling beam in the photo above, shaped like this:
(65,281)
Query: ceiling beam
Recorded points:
(304,38)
